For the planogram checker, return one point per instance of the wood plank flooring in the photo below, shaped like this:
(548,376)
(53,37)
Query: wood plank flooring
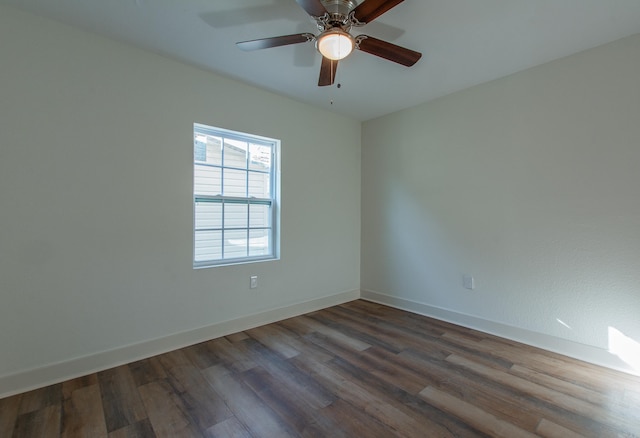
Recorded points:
(355,370)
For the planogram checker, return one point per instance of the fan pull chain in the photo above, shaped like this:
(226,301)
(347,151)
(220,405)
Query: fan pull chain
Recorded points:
(333,79)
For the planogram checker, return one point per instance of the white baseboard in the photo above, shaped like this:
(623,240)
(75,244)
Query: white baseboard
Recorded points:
(586,353)
(59,372)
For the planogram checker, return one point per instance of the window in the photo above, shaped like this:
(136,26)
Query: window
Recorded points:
(236,194)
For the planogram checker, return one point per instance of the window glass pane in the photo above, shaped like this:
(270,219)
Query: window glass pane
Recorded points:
(235,215)
(207,180)
(235,244)
(208,245)
(259,185)
(200,148)
(260,157)
(235,153)
(208,215)
(235,182)
(207,149)
(259,216)
(214,150)
(259,242)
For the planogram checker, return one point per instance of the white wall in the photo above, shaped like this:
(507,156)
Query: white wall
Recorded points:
(529,183)
(96,200)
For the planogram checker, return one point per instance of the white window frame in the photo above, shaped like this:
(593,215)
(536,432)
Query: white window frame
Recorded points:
(273,201)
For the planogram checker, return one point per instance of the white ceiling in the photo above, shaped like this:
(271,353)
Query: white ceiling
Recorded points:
(464,42)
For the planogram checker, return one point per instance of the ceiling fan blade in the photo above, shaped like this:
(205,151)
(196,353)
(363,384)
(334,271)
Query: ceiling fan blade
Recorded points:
(389,51)
(369,10)
(327,72)
(315,8)
(266,43)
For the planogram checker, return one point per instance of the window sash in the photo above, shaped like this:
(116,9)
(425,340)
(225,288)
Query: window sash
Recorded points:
(225,230)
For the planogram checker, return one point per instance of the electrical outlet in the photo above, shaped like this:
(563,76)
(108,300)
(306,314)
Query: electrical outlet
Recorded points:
(468,282)
(254,282)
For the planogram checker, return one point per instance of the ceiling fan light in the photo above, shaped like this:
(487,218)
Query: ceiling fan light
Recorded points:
(335,44)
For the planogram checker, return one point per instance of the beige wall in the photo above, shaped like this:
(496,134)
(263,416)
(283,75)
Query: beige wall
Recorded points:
(96,197)
(529,183)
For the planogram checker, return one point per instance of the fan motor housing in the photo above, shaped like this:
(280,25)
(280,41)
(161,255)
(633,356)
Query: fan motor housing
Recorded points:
(340,7)
(339,11)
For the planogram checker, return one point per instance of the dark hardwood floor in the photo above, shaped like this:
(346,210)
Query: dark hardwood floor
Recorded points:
(354,370)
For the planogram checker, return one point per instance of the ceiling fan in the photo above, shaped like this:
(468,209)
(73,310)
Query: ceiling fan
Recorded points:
(334,19)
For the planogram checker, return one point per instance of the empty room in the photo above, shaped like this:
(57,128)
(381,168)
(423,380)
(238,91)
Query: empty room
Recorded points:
(319,218)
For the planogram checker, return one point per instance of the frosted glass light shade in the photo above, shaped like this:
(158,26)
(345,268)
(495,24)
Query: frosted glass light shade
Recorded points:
(335,44)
